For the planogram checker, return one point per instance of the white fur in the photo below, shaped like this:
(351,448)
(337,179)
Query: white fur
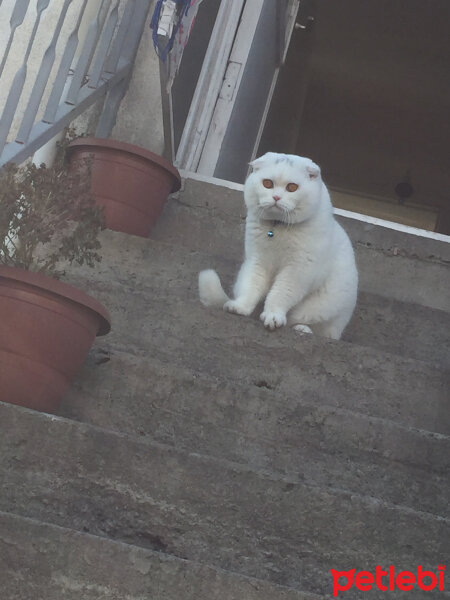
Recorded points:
(306,272)
(211,291)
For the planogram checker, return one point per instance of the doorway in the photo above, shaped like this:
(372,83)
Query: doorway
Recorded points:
(360,86)
(365,92)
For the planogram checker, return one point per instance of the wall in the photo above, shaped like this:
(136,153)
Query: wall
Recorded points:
(140,118)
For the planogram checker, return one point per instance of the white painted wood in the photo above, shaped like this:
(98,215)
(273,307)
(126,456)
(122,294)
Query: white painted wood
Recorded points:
(225,101)
(209,84)
(230,81)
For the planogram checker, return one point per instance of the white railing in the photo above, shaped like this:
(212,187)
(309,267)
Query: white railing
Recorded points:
(57,57)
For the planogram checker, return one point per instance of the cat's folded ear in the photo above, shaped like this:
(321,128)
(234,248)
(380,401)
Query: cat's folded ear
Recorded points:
(262,161)
(313,170)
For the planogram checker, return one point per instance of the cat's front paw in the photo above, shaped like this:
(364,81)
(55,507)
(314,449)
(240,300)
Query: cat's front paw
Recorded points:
(272,320)
(237,307)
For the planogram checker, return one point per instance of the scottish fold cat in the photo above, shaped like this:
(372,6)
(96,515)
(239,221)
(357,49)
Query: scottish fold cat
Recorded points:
(297,256)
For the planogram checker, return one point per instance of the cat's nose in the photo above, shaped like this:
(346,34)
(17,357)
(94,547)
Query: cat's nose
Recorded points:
(276,198)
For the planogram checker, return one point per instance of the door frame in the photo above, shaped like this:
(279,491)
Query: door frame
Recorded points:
(213,100)
(226,97)
(208,85)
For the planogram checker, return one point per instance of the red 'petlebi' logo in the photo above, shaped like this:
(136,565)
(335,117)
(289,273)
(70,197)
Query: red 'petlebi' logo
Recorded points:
(388,580)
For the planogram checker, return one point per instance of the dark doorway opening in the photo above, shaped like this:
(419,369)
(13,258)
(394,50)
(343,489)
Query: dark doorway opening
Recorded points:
(365,92)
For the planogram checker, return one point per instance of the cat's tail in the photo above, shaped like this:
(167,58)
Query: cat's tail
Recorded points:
(210,289)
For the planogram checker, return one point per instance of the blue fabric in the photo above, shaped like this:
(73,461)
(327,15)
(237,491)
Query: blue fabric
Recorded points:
(182,9)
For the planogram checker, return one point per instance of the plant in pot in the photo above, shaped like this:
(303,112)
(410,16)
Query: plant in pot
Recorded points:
(130,183)
(48,219)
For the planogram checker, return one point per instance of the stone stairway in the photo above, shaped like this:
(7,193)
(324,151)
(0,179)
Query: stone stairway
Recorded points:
(199,456)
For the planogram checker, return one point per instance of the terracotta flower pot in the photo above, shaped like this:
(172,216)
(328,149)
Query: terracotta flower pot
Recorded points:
(130,183)
(46,330)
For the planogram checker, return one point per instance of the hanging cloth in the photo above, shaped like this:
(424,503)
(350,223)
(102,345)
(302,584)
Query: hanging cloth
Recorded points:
(172,23)
(168,26)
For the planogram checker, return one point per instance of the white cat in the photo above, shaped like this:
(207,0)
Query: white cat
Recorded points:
(297,256)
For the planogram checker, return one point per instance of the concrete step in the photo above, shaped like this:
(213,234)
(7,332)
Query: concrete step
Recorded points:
(45,562)
(202,509)
(160,316)
(308,441)
(331,414)
(402,328)
(172,271)
(407,391)
(394,264)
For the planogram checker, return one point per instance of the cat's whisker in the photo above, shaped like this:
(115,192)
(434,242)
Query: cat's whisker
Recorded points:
(288,215)
(260,212)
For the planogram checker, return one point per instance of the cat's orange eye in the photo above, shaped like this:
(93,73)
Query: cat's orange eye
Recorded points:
(267,183)
(292,187)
